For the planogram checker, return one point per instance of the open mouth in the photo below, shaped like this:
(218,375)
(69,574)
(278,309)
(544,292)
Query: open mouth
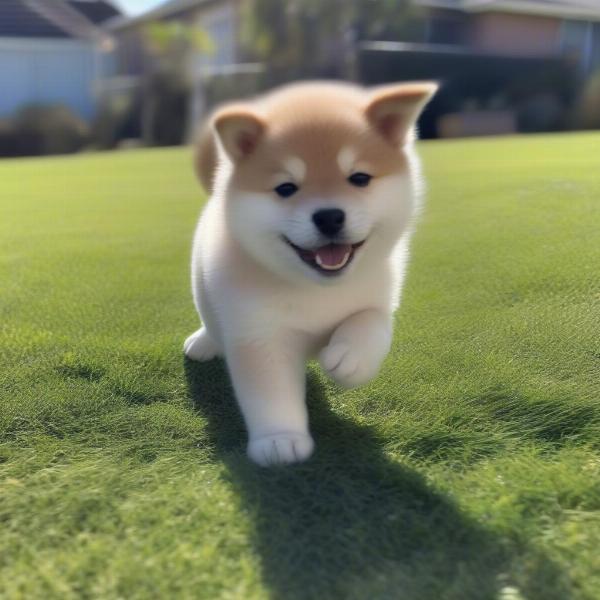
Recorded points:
(330,259)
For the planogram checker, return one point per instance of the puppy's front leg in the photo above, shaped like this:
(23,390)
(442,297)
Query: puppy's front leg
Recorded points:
(269,381)
(357,348)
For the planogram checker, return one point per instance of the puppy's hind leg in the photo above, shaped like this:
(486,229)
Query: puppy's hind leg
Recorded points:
(200,346)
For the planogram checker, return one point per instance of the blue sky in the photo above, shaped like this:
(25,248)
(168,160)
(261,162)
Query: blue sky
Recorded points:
(134,7)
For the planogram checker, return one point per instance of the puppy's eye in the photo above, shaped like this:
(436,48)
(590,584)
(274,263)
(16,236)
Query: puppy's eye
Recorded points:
(285,190)
(360,179)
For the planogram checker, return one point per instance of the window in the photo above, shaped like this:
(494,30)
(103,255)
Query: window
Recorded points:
(446,29)
(581,41)
(220,25)
(594,60)
(573,37)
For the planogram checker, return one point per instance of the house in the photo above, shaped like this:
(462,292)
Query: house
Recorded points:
(522,28)
(526,28)
(506,65)
(220,19)
(53,52)
(495,54)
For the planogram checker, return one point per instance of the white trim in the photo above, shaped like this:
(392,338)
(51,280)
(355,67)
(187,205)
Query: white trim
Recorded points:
(455,49)
(46,44)
(528,7)
(232,69)
(116,84)
(534,8)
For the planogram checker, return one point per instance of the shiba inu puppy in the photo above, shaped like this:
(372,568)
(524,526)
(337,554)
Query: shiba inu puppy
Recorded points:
(302,247)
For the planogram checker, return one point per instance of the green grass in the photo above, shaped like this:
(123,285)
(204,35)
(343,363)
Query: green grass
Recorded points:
(470,469)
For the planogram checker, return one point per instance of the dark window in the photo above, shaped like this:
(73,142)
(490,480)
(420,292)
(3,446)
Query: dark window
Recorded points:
(447,29)
(574,37)
(581,41)
(595,52)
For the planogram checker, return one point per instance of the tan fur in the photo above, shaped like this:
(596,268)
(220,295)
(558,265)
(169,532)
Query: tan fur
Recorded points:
(205,156)
(333,114)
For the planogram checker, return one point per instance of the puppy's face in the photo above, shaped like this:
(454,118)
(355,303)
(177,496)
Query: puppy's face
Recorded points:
(317,175)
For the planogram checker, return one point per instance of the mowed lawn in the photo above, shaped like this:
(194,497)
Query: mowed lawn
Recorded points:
(469,469)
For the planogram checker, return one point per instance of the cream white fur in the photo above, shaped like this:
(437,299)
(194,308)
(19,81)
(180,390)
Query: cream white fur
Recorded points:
(267,312)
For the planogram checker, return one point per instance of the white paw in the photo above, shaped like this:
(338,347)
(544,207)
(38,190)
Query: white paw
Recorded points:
(280,449)
(199,346)
(347,366)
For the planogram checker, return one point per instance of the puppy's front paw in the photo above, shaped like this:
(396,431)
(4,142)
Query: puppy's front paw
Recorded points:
(280,449)
(348,366)
(199,346)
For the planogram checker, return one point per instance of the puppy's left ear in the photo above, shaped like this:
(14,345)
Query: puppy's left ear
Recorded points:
(393,110)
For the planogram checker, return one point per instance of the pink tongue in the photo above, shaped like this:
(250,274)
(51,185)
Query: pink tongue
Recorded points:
(333,254)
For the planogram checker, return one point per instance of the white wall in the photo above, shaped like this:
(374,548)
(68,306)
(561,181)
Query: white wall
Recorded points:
(48,71)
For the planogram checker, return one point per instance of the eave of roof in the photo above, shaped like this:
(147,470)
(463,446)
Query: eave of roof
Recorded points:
(19,19)
(69,19)
(96,11)
(588,10)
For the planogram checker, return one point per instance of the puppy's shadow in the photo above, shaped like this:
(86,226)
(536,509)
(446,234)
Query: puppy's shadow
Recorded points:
(351,523)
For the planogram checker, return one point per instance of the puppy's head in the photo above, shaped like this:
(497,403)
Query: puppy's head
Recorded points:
(315,176)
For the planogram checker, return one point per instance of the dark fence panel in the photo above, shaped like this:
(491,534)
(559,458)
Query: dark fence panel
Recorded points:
(514,82)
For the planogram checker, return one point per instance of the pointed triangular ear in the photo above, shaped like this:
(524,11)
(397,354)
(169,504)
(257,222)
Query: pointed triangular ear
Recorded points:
(239,129)
(393,110)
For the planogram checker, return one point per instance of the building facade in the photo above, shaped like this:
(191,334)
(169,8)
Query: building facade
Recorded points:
(53,53)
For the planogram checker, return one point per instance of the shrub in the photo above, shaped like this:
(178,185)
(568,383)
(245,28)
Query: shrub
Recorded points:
(166,106)
(158,112)
(40,130)
(588,113)
(9,142)
(541,112)
(117,119)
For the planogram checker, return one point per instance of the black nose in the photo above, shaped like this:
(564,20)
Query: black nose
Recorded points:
(329,221)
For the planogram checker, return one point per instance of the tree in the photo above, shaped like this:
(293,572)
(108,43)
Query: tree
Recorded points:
(167,87)
(307,38)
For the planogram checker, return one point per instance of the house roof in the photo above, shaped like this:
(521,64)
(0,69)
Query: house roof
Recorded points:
(96,11)
(571,9)
(18,19)
(54,18)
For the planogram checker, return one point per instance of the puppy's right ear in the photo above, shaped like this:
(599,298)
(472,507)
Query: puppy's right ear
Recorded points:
(239,130)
